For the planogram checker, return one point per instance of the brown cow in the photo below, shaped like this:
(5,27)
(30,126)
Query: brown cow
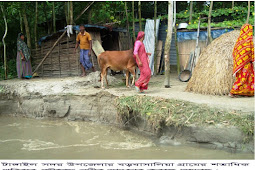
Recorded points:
(117,61)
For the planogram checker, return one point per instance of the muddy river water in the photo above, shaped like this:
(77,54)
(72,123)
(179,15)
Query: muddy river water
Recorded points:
(23,138)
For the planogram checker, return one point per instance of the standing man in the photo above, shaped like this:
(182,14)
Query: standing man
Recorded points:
(85,41)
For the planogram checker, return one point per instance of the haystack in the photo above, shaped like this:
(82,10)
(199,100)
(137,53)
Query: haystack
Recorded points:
(213,73)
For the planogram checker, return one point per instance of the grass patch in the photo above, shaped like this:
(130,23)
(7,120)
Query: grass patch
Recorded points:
(181,113)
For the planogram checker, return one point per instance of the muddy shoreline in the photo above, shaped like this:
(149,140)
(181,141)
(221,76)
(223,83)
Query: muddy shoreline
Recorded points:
(101,108)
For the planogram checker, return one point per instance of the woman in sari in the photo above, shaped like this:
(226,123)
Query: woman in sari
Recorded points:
(142,61)
(243,56)
(24,68)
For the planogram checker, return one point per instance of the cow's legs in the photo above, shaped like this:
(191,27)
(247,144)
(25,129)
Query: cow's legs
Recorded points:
(103,73)
(106,77)
(127,78)
(132,71)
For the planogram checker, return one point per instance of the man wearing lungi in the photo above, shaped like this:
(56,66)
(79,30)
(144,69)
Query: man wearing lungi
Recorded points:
(85,41)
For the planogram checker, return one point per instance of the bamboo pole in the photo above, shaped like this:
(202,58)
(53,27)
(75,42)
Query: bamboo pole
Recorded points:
(168,44)
(133,15)
(140,15)
(127,24)
(177,51)
(54,17)
(35,26)
(190,11)
(85,9)
(209,35)
(155,36)
(249,10)
(52,48)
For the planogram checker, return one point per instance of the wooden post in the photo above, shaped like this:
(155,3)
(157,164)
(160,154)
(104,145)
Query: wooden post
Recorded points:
(85,9)
(209,35)
(59,60)
(133,14)
(68,55)
(155,36)
(190,11)
(54,17)
(35,26)
(177,51)
(127,24)
(51,62)
(249,10)
(140,15)
(42,64)
(168,44)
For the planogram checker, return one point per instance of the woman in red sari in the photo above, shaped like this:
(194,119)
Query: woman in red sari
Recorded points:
(243,56)
(142,61)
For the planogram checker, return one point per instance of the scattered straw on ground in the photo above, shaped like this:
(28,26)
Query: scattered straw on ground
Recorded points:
(213,73)
(169,112)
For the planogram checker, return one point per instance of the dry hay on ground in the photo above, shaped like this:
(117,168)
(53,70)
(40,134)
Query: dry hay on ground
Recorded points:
(213,73)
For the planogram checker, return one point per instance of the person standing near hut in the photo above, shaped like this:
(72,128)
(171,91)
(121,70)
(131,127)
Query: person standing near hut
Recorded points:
(142,61)
(84,40)
(243,56)
(24,68)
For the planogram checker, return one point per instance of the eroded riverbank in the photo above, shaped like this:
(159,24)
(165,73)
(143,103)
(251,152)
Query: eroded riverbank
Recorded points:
(76,99)
(60,139)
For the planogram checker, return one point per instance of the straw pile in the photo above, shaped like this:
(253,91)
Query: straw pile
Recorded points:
(213,73)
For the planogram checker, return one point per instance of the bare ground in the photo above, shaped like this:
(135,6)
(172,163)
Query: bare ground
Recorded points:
(88,85)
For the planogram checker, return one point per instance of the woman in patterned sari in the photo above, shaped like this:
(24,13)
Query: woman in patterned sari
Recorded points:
(243,56)
(24,68)
(142,61)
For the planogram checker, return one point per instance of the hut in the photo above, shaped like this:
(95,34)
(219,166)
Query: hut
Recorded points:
(63,62)
(184,40)
(213,73)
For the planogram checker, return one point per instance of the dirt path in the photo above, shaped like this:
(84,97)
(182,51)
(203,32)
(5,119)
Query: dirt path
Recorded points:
(85,86)
(177,91)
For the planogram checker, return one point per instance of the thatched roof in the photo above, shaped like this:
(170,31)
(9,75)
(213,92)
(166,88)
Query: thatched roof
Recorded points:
(213,73)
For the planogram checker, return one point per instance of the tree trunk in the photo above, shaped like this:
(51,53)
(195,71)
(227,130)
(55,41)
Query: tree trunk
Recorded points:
(249,10)
(233,4)
(45,15)
(66,12)
(156,42)
(36,20)
(26,27)
(140,15)
(133,15)
(168,44)
(5,33)
(71,12)
(190,11)
(21,22)
(54,17)
(209,35)
(127,24)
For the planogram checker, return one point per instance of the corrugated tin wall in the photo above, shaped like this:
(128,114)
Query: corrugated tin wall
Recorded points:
(162,36)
